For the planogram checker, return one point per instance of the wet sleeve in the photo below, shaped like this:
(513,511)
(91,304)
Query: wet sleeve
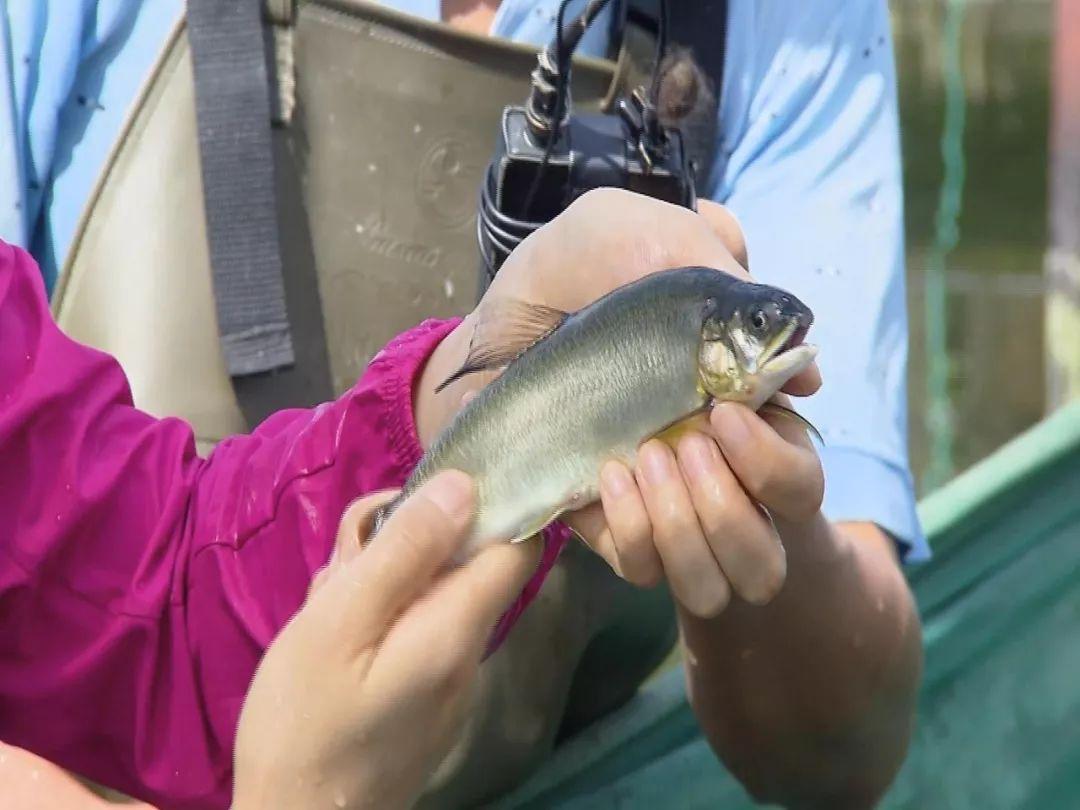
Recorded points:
(811,168)
(139,583)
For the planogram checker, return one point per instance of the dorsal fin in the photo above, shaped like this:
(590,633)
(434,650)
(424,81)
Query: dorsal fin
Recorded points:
(505,329)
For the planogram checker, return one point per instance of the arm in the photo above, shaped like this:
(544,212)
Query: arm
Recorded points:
(801,639)
(813,175)
(810,699)
(140,584)
(31,783)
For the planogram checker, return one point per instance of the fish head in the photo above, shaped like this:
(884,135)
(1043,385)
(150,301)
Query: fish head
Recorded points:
(753,342)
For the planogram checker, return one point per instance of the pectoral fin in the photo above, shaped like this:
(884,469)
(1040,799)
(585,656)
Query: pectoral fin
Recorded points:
(534,529)
(697,422)
(505,330)
(776,409)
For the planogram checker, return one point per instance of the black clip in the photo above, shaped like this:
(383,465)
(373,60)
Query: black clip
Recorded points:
(639,115)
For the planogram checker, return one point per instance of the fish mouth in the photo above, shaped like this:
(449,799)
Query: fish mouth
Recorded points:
(790,337)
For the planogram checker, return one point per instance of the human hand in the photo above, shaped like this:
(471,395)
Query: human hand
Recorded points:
(697,517)
(604,240)
(709,515)
(366,688)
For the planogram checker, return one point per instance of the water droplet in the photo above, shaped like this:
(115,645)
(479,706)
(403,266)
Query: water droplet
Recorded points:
(448,287)
(35,774)
(339,799)
(371,167)
(58,518)
(866,53)
(28,358)
(359,228)
(417,129)
(67,487)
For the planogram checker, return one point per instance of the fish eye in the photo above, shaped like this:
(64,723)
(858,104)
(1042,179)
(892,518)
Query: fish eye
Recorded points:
(758,320)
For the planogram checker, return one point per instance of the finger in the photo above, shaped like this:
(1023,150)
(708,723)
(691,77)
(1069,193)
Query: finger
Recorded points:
(693,572)
(400,561)
(590,525)
(804,383)
(618,528)
(444,635)
(784,477)
(742,539)
(629,526)
(356,524)
(477,594)
(724,223)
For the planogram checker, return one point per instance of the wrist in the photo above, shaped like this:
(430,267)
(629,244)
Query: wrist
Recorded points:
(433,410)
(815,541)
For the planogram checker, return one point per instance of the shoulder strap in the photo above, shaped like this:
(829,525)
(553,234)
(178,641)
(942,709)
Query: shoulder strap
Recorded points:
(229,44)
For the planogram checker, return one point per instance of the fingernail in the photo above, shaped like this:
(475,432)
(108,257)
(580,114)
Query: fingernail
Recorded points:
(452,492)
(698,455)
(656,463)
(730,423)
(615,480)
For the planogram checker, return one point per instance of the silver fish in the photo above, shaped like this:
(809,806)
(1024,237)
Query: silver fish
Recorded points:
(584,388)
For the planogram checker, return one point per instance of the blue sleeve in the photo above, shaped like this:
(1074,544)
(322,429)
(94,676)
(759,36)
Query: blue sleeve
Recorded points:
(71,72)
(811,168)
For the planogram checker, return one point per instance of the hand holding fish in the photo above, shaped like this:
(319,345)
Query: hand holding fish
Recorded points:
(574,417)
(368,686)
(706,514)
(698,518)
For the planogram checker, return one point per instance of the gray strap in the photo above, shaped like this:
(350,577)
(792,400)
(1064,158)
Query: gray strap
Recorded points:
(232,102)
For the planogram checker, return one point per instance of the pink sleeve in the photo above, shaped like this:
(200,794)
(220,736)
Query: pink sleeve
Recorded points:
(139,584)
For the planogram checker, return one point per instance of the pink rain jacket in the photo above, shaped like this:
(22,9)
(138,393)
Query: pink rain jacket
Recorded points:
(139,583)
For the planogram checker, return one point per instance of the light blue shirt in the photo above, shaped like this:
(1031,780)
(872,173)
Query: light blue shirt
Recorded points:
(811,168)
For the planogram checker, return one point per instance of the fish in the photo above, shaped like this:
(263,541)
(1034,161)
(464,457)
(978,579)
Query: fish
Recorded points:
(580,389)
